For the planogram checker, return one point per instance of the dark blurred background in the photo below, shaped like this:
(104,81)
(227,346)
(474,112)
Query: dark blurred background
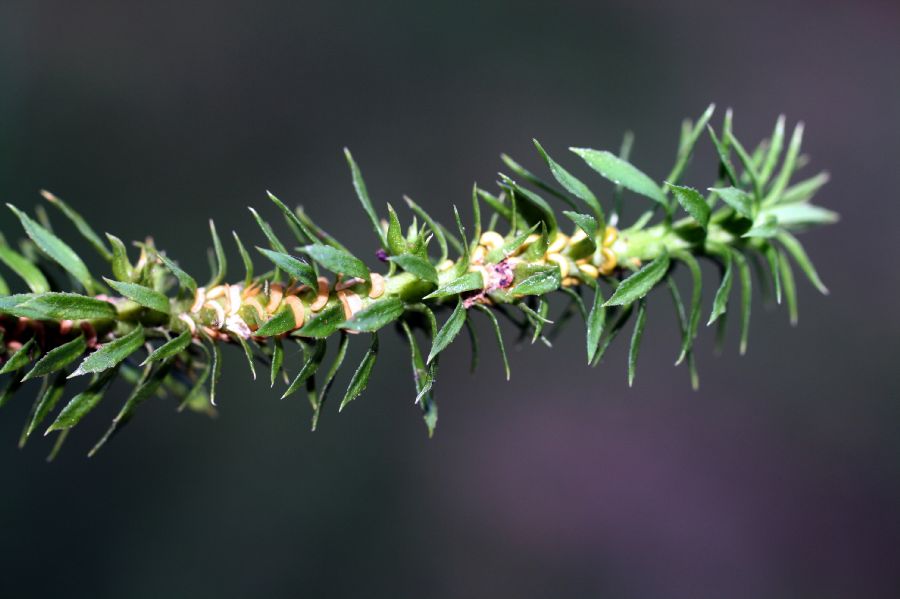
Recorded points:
(779,478)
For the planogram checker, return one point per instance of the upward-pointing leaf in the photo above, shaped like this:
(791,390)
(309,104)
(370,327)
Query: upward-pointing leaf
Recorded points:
(29,273)
(693,203)
(572,184)
(83,227)
(112,353)
(296,269)
(622,173)
(338,261)
(57,249)
(363,194)
(186,281)
(640,283)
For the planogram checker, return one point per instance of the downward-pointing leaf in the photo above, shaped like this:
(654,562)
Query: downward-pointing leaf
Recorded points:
(58,358)
(640,283)
(44,404)
(361,377)
(596,322)
(448,332)
(796,250)
(112,353)
(720,303)
(324,323)
(622,173)
(57,249)
(498,334)
(636,338)
(79,406)
(309,368)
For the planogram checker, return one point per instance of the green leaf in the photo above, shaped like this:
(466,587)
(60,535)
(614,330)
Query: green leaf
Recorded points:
(281,322)
(696,290)
(765,226)
(185,280)
(296,269)
(20,359)
(527,175)
(796,251)
(248,353)
(245,258)
(467,282)
(112,353)
(324,323)
(58,358)
(83,227)
(640,283)
(787,167)
(376,315)
(534,208)
(749,169)
(146,388)
(309,367)
(214,371)
(746,295)
(142,295)
(797,216)
(448,332)
(512,245)
(170,348)
(337,261)
(56,249)
(79,406)
(498,334)
(596,322)
(572,184)
(682,322)
(586,223)
(396,242)
(622,172)
(266,228)
(435,228)
(804,190)
(69,306)
(636,338)
(28,272)
(329,378)
(361,376)
(121,266)
(775,145)
(771,255)
(302,231)
(720,303)
(221,261)
(736,198)
(415,265)
(44,404)
(539,282)
(692,202)
(277,360)
(4,288)
(360,186)
(724,158)
(688,141)
(790,287)
(423,378)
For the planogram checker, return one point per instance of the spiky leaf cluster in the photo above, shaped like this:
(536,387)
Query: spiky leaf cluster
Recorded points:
(151,324)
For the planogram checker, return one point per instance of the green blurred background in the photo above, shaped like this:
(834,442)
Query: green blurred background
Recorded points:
(779,478)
